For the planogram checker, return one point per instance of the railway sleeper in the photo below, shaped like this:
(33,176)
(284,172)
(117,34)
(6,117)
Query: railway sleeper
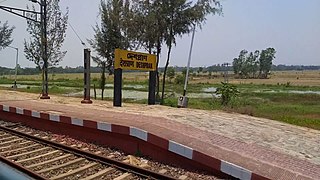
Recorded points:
(21,149)
(23,143)
(70,173)
(10,142)
(76,161)
(40,156)
(123,176)
(99,174)
(50,161)
(27,153)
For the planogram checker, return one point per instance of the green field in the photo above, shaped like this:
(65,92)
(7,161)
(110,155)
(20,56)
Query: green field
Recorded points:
(292,97)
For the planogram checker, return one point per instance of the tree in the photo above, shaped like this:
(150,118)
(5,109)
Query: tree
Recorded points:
(265,61)
(56,33)
(181,17)
(239,65)
(236,64)
(5,35)
(248,64)
(200,69)
(160,21)
(171,73)
(252,64)
(151,31)
(111,34)
(184,72)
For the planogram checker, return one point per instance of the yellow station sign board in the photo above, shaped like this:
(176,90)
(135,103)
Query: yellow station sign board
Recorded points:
(130,60)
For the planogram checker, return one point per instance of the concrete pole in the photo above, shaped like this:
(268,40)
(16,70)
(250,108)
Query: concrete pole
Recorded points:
(189,60)
(86,96)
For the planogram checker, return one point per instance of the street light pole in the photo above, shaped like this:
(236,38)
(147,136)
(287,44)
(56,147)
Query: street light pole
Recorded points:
(183,100)
(16,70)
(189,60)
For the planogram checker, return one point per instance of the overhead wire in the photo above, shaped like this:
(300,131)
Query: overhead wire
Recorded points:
(84,44)
(75,32)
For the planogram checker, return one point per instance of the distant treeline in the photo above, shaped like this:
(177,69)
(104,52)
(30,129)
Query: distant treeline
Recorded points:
(213,68)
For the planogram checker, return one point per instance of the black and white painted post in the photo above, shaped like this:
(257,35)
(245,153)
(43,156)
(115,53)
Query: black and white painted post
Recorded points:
(86,97)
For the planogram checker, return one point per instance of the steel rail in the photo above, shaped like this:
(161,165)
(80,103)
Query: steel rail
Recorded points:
(94,157)
(22,169)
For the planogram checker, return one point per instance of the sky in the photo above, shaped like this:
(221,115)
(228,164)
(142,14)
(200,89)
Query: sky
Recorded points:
(292,27)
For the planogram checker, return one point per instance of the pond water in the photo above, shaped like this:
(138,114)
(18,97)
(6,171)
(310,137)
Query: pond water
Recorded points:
(209,89)
(134,86)
(108,93)
(18,85)
(288,91)
(139,95)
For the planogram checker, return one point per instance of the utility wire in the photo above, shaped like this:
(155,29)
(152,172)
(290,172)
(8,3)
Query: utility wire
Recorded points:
(75,32)
(84,44)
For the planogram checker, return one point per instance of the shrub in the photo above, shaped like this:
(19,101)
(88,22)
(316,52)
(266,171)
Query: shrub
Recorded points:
(227,92)
(179,79)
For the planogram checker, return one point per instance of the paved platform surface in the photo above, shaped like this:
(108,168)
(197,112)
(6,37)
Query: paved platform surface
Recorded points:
(258,144)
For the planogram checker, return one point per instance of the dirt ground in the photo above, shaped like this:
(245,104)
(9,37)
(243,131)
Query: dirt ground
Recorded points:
(300,142)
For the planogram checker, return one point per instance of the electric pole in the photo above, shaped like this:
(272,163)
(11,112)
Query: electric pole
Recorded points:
(44,43)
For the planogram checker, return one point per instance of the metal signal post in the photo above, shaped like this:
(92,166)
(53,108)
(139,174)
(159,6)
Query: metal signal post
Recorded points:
(44,47)
(44,44)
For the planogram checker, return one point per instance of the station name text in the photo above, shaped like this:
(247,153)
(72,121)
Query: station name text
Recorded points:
(136,64)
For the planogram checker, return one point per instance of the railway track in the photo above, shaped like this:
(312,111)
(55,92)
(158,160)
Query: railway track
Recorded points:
(43,159)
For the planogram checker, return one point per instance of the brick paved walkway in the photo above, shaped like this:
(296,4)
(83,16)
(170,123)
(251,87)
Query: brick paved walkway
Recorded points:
(257,144)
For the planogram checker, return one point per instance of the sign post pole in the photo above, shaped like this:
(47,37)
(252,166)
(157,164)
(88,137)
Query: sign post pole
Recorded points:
(117,94)
(152,88)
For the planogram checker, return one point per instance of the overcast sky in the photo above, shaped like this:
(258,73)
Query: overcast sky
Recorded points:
(292,27)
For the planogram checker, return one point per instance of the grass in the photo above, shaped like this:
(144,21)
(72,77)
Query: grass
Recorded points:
(268,98)
(298,109)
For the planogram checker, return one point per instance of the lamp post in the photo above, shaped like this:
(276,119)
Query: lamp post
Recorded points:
(183,100)
(16,71)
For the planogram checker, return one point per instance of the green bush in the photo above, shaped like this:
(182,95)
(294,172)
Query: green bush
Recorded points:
(179,79)
(227,92)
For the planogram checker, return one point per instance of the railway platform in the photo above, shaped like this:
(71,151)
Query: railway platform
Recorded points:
(241,146)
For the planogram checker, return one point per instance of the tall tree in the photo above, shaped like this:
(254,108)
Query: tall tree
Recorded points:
(171,73)
(56,32)
(111,34)
(252,64)
(181,17)
(239,64)
(265,61)
(161,21)
(5,35)
(248,64)
(152,27)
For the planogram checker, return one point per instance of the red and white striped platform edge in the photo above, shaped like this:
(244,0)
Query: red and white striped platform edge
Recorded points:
(172,146)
